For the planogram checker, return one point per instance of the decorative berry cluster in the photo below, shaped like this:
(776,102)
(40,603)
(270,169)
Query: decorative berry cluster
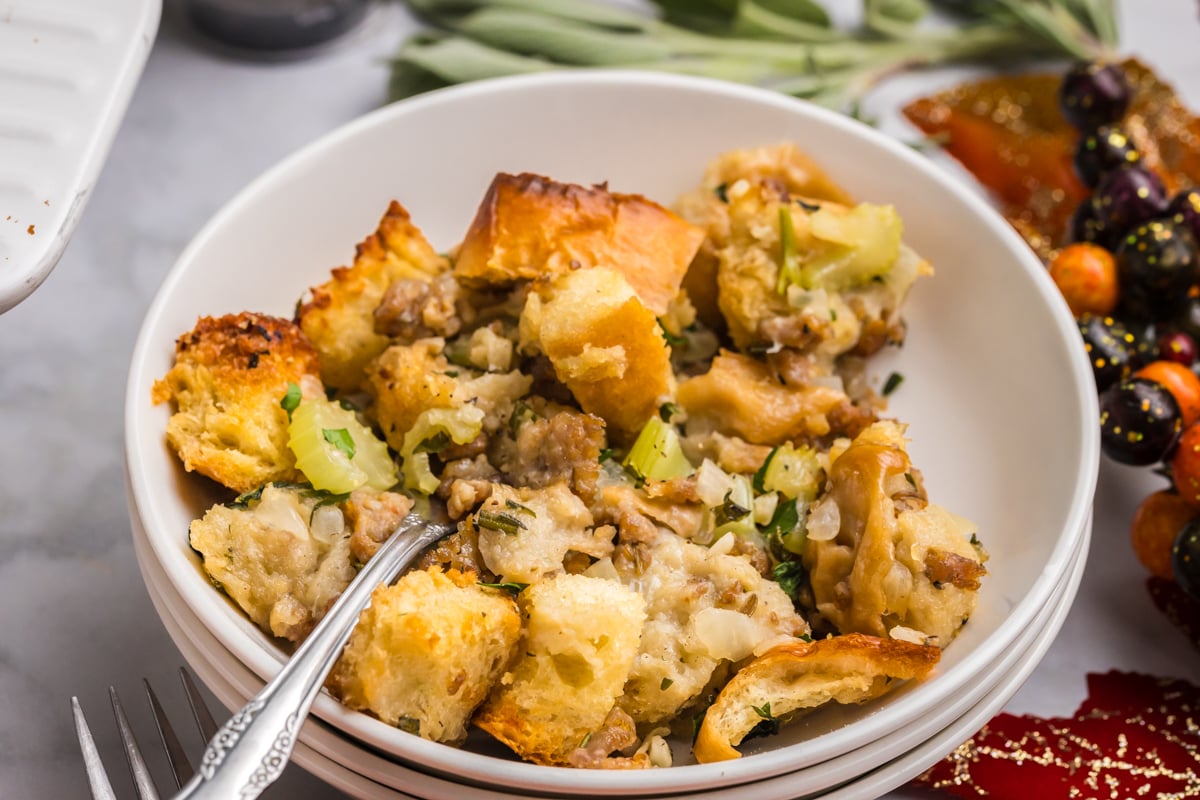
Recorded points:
(1131,274)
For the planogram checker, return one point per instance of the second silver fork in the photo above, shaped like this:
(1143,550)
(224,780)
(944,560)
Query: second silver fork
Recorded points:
(181,768)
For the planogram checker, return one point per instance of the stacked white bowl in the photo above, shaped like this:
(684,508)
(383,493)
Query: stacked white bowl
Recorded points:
(998,396)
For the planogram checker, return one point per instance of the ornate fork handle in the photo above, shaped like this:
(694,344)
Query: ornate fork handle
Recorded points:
(250,751)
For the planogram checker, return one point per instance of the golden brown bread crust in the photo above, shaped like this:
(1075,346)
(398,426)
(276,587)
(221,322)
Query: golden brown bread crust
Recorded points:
(797,676)
(781,166)
(531,227)
(892,562)
(739,396)
(339,317)
(581,636)
(228,378)
(426,651)
(605,344)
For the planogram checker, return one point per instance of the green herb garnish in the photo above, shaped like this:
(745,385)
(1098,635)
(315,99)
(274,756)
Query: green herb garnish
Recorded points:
(672,339)
(722,192)
(606,454)
(409,725)
(341,439)
(666,684)
(892,383)
(729,511)
(291,399)
(667,411)
(790,577)
(515,506)
(508,586)
(769,726)
(499,521)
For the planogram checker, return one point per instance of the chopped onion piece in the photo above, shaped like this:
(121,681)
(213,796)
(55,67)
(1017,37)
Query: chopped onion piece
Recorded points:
(729,634)
(912,635)
(328,523)
(824,520)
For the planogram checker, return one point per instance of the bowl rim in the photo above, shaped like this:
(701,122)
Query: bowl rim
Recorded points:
(265,660)
(324,739)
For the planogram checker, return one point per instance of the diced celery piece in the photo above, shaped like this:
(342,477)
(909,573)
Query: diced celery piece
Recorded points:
(794,472)
(656,454)
(460,424)
(860,245)
(330,463)
(789,257)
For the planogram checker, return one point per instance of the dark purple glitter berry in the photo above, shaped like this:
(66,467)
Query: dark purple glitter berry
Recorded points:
(1139,421)
(1093,94)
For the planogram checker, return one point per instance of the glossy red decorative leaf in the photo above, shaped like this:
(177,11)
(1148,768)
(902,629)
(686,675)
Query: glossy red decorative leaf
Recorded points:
(1135,736)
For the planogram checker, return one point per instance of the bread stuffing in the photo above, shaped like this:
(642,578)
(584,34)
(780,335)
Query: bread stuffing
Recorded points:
(679,498)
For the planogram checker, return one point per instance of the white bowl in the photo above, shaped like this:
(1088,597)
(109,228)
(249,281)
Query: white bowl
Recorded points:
(999,396)
(893,759)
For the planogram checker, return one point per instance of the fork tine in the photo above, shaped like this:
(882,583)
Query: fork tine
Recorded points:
(97,778)
(204,718)
(137,765)
(181,768)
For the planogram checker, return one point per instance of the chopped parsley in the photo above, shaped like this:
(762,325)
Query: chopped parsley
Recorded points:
(672,339)
(434,444)
(768,726)
(789,575)
(722,192)
(606,454)
(341,439)
(666,684)
(668,410)
(804,637)
(409,725)
(809,207)
(729,511)
(892,383)
(291,399)
(761,475)
(785,519)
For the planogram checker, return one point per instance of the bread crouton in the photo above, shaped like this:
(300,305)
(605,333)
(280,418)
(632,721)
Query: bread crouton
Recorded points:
(525,534)
(704,607)
(266,557)
(339,317)
(406,380)
(580,639)
(740,396)
(229,376)
(604,344)
(891,564)
(426,651)
(531,227)
(783,167)
(803,675)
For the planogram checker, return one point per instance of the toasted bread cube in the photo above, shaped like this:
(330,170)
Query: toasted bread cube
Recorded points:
(339,317)
(229,376)
(605,345)
(781,166)
(896,560)
(408,379)
(426,652)
(739,396)
(581,636)
(543,525)
(531,227)
(265,556)
(799,676)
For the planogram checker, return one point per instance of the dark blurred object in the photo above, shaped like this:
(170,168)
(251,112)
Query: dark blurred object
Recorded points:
(275,26)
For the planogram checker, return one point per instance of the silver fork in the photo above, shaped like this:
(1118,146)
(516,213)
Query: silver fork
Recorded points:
(181,768)
(248,753)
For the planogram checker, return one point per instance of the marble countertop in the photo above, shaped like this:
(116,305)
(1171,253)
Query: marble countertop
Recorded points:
(74,613)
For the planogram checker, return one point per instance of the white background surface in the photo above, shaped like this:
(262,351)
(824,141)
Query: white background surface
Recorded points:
(74,615)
